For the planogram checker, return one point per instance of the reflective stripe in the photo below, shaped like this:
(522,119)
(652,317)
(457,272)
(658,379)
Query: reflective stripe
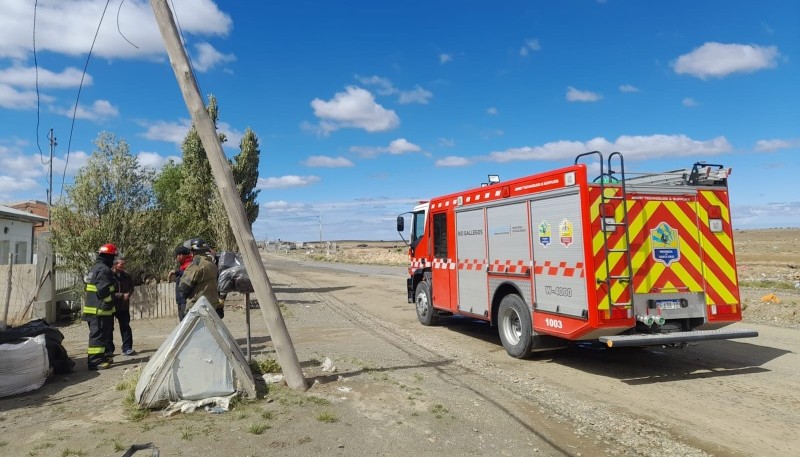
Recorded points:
(99,312)
(107,299)
(91,288)
(93,350)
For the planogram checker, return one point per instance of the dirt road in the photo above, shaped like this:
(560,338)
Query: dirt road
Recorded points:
(402,389)
(720,397)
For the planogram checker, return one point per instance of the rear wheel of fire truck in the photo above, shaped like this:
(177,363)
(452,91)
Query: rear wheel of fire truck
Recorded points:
(514,326)
(425,312)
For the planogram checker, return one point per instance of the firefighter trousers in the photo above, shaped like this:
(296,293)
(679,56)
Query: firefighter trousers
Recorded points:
(100,333)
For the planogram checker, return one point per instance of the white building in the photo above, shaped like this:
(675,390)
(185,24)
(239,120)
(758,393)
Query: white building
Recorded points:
(16,234)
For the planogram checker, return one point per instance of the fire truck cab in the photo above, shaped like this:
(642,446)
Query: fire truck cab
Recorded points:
(557,256)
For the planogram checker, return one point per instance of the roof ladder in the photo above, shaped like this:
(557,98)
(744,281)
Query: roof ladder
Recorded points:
(623,246)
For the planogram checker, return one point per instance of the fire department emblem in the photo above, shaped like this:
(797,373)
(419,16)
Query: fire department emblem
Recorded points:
(666,244)
(565,232)
(544,233)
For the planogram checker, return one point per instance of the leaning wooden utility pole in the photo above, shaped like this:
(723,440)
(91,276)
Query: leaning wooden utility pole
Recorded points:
(223,176)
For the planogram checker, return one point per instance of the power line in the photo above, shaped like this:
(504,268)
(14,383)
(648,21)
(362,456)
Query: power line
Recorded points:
(77,99)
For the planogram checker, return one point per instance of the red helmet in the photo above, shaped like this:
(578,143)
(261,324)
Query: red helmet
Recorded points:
(109,249)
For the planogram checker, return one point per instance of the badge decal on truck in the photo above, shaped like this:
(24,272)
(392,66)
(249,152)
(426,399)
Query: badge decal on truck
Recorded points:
(565,232)
(666,244)
(544,233)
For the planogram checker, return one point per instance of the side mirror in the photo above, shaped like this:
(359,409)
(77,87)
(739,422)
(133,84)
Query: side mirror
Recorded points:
(401,224)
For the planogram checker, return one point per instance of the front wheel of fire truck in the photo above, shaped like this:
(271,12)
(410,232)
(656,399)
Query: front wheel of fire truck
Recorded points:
(514,326)
(425,312)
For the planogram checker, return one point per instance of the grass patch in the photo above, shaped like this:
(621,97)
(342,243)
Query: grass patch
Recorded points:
(257,429)
(68,452)
(263,366)
(439,411)
(266,415)
(132,411)
(287,397)
(327,417)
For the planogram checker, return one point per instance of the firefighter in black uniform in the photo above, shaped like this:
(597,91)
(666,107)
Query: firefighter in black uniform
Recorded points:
(98,308)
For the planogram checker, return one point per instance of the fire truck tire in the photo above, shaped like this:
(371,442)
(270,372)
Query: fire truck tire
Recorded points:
(426,314)
(514,327)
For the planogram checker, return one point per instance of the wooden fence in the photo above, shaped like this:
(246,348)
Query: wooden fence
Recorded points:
(154,300)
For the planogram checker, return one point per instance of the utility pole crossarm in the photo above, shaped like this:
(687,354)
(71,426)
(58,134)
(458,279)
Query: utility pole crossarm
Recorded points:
(223,176)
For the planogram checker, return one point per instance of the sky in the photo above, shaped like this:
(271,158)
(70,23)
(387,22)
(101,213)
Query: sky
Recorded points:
(364,108)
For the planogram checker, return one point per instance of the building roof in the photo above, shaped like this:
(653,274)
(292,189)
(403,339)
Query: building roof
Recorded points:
(11,213)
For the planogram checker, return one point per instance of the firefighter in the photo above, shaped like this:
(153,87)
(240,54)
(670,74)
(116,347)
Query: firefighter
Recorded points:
(200,277)
(98,308)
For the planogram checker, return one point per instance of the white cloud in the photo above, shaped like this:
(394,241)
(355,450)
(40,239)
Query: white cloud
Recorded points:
(492,111)
(396,147)
(285,182)
(689,102)
(628,88)
(444,58)
(14,99)
(155,160)
(383,85)
(69,27)
(777,144)
(328,162)
(447,142)
(25,77)
(633,147)
(530,45)
(207,57)
(98,111)
(575,95)
(355,108)
(768,215)
(417,95)
(717,60)
(453,161)
(401,146)
(171,132)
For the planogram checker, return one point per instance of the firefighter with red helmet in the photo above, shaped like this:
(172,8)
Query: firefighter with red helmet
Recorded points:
(98,308)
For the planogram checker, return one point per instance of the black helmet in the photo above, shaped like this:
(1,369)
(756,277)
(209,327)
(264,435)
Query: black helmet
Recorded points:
(198,245)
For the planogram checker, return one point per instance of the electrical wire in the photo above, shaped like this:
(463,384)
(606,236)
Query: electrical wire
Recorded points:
(77,99)
(118,29)
(36,70)
(183,40)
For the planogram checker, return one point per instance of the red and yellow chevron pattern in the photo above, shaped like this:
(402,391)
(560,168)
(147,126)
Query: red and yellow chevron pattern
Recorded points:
(705,260)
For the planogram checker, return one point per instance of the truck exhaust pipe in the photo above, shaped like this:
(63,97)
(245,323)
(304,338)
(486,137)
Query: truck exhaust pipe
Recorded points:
(646,320)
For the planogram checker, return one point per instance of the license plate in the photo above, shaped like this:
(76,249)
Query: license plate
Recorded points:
(668,304)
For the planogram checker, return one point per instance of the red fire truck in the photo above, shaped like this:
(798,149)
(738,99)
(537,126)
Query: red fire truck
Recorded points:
(558,256)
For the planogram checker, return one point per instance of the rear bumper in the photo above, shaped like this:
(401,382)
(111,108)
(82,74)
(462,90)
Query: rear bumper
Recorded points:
(656,339)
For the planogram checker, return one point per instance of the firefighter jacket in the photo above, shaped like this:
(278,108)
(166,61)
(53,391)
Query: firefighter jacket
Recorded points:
(200,280)
(100,287)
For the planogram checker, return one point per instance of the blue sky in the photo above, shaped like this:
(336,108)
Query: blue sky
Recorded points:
(364,108)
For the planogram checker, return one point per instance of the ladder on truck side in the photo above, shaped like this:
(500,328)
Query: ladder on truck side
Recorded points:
(626,275)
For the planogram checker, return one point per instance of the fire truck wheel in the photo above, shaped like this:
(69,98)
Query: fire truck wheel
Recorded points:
(425,312)
(514,326)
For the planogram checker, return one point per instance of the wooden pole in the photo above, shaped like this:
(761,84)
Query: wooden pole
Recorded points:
(7,302)
(220,168)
